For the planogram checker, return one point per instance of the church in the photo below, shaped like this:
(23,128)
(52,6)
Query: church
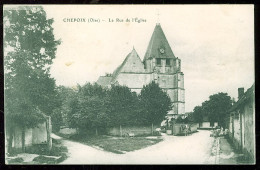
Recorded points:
(159,64)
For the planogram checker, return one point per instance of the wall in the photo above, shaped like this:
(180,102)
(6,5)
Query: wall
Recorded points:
(137,130)
(68,131)
(230,126)
(133,80)
(17,139)
(207,125)
(236,124)
(242,128)
(249,140)
(37,135)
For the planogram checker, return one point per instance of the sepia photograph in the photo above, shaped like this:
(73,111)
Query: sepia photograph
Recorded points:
(129,84)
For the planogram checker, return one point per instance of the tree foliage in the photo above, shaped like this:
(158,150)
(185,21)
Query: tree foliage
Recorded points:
(93,107)
(215,109)
(123,106)
(30,47)
(198,114)
(88,108)
(155,103)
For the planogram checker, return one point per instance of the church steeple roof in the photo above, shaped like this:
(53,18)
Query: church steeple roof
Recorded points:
(158,46)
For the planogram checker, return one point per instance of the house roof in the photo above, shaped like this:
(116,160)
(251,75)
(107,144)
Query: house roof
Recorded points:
(158,41)
(247,95)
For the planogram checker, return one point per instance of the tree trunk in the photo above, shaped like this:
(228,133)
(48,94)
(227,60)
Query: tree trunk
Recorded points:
(120,131)
(10,139)
(23,139)
(48,129)
(152,129)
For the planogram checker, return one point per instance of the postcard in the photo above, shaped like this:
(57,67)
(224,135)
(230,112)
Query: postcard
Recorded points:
(129,84)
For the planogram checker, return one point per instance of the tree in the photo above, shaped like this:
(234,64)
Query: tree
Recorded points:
(217,108)
(30,47)
(155,103)
(67,98)
(123,106)
(88,108)
(198,114)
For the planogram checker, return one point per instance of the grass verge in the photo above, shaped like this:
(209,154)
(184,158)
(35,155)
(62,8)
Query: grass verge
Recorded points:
(117,145)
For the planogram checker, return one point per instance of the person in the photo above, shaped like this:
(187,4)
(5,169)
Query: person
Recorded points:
(189,130)
(186,129)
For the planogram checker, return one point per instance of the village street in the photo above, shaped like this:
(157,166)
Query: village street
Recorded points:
(193,149)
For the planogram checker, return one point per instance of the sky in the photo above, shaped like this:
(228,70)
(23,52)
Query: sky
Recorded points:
(214,42)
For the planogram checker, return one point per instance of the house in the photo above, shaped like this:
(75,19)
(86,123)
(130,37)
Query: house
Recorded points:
(206,124)
(241,123)
(159,64)
(40,135)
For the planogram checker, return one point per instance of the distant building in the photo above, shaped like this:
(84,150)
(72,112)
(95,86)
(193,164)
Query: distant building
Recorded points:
(207,124)
(241,122)
(159,65)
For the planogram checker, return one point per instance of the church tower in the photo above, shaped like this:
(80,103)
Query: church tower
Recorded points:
(159,65)
(165,69)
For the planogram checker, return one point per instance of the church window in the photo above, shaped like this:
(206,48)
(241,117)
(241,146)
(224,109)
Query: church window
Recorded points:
(158,61)
(168,62)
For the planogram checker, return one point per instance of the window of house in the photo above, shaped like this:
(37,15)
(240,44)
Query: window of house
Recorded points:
(158,61)
(168,62)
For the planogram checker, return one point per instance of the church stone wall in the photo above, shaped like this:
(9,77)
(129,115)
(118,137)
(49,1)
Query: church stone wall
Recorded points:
(181,95)
(172,94)
(181,108)
(165,81)
(176,94)
(134,80)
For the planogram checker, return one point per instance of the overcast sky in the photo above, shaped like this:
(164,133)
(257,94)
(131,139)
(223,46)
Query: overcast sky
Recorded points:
(214,42)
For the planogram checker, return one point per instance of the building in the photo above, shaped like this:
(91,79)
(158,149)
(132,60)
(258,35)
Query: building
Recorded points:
(20,140)
(159,64)
(241,123)
(206,124)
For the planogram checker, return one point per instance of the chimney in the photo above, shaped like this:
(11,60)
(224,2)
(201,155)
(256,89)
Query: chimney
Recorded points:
(240,92)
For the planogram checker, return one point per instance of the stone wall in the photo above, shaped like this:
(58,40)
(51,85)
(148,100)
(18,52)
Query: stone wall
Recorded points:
(242,128)
(249,131)
(136,130)
(236,124)
(37,135)
(207,125)
(134,81)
